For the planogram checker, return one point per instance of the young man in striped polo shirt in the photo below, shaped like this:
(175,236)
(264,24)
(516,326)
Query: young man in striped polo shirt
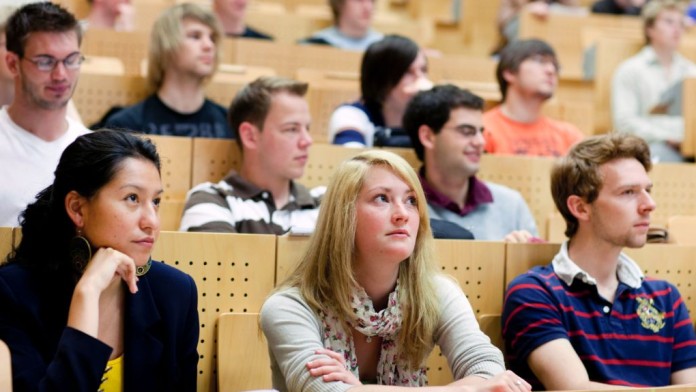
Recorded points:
(591,319)
(270,119)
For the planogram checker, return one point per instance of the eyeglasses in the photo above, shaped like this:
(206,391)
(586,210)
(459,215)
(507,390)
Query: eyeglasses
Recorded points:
(48,63)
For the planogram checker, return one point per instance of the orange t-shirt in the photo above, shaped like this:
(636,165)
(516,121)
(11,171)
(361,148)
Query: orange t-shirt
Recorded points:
(544,137)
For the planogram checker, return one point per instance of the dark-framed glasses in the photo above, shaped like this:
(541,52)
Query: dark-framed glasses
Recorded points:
(48,63)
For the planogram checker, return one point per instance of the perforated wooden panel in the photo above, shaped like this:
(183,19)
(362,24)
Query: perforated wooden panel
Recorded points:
(578,113)
(243,360)
(323,101)
(466,68)
(131,47)
(480,35)
(287,30)
(175,158)
(528,175)
(229,79)
(213,159)
(6,242)
(327,91)
(682,229)
(564,30)
(611,51)
(555,228)
(286,59)
(673,263)
(478,267)
(233,273)
(170,212)
(97,93)
(323,160)
(289,249)
(421,31)
(673,188)
(490,324)
(260,53)
(408,154)
(689,101)
(521,257)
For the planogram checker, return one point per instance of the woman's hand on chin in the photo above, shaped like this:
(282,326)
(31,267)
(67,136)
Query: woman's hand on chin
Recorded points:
(107,267)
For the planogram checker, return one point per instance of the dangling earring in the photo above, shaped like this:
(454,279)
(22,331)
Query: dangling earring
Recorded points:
(80,252)
(142,270)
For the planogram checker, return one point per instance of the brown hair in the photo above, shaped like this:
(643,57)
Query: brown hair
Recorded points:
(252,103)
(578,172)
(515,53)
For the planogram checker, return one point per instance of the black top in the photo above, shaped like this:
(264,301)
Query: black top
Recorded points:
(153,117)
(160,333)
(610,7)
(251,33)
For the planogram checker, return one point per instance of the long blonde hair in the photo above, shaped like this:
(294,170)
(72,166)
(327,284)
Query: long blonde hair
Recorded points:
(325,275)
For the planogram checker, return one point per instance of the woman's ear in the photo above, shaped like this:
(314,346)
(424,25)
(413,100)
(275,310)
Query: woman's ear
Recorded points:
(75,207)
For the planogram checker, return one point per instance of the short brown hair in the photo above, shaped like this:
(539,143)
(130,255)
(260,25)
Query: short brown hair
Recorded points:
(252,103)
(653,8)
(578,172)
(515,53)
(336,8)
(44,17)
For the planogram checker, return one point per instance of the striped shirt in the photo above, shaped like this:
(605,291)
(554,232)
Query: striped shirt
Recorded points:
(235,205)
(638,340)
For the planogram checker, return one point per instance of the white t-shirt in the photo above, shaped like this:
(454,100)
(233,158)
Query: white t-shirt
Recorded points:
(27,165)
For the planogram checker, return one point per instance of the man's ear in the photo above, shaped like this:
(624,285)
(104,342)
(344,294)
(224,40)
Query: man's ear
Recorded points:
(578,207)
(426,136)
(12,61)
(75,207)
(509,76)
(248,135)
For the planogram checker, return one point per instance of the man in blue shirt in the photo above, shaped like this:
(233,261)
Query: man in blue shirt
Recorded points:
(591,319)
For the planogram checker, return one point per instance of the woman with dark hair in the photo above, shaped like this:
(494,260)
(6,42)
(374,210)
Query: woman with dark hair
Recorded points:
(393,70)
(82,305)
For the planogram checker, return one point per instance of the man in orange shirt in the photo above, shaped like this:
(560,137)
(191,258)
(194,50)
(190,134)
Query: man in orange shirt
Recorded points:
(528,75)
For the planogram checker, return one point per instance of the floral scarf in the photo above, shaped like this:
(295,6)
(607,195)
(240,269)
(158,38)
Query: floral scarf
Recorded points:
(392,368)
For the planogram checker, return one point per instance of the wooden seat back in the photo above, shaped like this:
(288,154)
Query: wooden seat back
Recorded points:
(242,354)
(233,273)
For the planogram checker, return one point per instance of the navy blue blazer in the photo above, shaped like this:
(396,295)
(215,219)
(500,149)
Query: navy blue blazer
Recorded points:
(161,333)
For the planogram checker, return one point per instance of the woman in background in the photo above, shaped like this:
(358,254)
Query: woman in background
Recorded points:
(366,305)
(393,70)
(82,305)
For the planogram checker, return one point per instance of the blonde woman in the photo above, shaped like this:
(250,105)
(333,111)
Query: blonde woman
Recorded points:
(365,305)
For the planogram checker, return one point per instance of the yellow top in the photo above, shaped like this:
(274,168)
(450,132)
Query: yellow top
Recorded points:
(113,376)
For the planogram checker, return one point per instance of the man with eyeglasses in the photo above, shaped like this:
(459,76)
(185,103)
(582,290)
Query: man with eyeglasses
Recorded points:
(43,55)
(647,88)
(527,74)
(445,127)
